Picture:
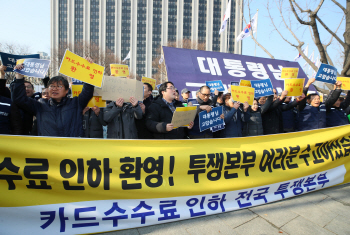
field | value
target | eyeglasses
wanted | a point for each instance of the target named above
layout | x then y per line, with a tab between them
206	95
171	88
45	93
55	87
28	87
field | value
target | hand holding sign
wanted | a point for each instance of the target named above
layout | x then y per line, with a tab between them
169	127
119	102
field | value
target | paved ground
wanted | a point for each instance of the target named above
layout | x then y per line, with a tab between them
322	212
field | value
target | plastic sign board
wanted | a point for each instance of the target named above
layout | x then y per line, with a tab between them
262	87
215	85
151	81
95	100
79	68
34	68
326	73
294	86
289	73
345	83
243	94
245	83
119	70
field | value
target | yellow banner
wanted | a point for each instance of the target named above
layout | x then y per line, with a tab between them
245	83
151	81
289	73
119	70
345	83
243	94
95	100
294	86
79	68
64	170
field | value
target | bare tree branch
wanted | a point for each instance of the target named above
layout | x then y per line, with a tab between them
296	14
330	31
340	6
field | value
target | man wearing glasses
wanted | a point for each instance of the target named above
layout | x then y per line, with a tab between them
59	116
204	104
160	114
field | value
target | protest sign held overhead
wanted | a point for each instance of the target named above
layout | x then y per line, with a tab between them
191	68
151	81
245	83
79	68
262	87
119	70
215	85
326	73
294	86
211	119
242	94
183	116
114	88
95	100
345	83
10	60
34	68
289	73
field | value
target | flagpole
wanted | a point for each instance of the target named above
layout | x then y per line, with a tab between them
256	38
228	40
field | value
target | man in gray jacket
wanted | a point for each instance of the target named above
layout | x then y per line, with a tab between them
120	117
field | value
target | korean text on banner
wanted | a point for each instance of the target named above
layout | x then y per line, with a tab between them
119	70
183	116
10	60
95	100
262	87
118	87
215	85
151	81
289	73
79	68
242	94
132	183
211	119
245	83
294	86
345	83
34	68
326	73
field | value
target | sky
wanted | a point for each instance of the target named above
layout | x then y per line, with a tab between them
27	23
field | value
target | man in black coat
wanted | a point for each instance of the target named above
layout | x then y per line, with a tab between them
160	114
142	131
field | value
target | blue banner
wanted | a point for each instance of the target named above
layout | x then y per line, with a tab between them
215	85
326	73
262	88
10	60
217	128
191	68
211	119
34	68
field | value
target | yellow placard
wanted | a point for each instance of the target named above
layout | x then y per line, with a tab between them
119	70
345	83
79	68
245	83
294	86
95	100
243	94
289	73
151	81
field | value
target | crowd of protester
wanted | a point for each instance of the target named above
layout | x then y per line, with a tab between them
54	113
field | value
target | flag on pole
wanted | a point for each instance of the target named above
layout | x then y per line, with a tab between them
311	57
127	57
226	17
304	51
317	62
161	59
252	26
